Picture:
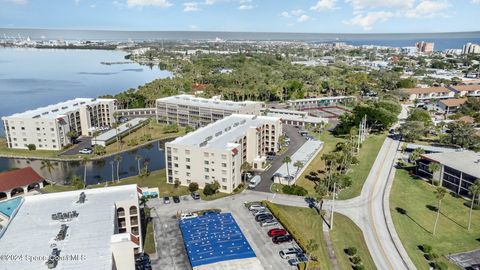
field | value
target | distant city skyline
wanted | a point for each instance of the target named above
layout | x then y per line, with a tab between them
308	16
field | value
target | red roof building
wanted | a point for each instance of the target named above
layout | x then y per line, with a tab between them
19	181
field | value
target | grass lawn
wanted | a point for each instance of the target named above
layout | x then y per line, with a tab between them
416	226
149	243
304	224
358	173
25	152
346	234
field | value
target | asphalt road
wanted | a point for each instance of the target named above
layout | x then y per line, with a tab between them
83	142
296	141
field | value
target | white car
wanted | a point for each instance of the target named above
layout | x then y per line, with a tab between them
256	207
86	151
188	216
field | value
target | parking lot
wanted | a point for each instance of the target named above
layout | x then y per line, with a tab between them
171	251
82	142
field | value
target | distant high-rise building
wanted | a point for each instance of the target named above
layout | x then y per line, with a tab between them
425	47
471	48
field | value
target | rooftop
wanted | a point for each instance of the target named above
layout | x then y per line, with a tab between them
322	98
465	161
468	88
189	100
453	102
223	132
303	154
32	231
305	118
19	178
214	238
112	133
426	90
55	110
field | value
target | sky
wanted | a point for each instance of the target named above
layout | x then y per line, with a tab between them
312	16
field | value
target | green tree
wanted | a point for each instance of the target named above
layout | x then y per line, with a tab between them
473	190
99	150
412	130
415	155
49	166
76	182
298	164
192	187
32	147
440	193
433	168
311	247
246	167
287	161
421	115
72	135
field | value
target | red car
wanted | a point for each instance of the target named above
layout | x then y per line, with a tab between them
276	231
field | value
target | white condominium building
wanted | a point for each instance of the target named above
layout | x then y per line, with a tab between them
198	112
217	151
83	229
47	127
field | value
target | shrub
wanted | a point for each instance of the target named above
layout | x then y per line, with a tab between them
431	256
441	266
475	205
210	189
426	248
177	183
294	190
358	267
32	147
192	187
356	260
351	251
239	187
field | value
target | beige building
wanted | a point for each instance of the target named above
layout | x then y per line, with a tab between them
47	127
471	48
425	47
198	112
217	151
429	93
471	90
100	231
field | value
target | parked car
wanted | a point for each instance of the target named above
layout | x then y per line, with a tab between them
253	207
298	260
271	154
166	200
255	181
268	223
263	217
290	253
270	158
282	239
195	195
260	212
176	199
188	216
276	231
87	151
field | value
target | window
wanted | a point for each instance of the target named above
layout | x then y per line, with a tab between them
205	154
188	174
175	172
188	167
175	165
187	152
224	165
206	162
224	172
224	179
224	187
175	150
206	170
187	159
224	156
207	177
175	158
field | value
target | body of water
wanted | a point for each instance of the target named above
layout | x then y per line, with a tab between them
31	78
442	40
97	171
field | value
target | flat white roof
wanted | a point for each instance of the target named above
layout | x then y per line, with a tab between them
55	110
321	98
303	154
189	100
32	232
300	118
464	161
110	134
221	133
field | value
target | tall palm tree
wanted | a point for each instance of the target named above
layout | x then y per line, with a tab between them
287	160
95	134
85	160
298	164
312	245
138	158
473	190
440	193
115	126
49	166
118	159
433	168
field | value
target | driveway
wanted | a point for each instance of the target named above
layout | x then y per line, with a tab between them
296	141
83	142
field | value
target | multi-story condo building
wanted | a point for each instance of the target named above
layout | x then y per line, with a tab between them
198	112
217	151
47	127
84	229
471	48
425	47
306	103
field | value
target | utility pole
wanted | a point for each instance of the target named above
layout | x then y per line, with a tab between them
333	205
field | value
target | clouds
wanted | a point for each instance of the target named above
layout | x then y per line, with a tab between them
17	2
149	3
368	20
428	9
323	5
190	6
297	14
366	4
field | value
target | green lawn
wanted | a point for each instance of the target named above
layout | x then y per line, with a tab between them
415	228
149	243
304	224
25	152
358	173
346	234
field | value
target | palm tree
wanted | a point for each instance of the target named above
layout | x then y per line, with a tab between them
129	126
95	134
85	160
138	158
287	160
118	159
246	167
49	166
440	193
115	126
473	190
72	134
298	164
433	168
312	245
111	163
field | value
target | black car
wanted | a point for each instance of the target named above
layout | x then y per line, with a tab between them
271	154
263	217
176	199
166	200
282	239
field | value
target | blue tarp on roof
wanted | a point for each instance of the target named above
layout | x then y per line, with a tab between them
214	238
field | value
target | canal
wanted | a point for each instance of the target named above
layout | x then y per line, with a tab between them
98	171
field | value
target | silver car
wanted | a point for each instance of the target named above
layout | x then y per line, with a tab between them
268	223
